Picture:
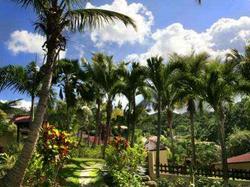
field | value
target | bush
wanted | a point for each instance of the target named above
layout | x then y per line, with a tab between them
239	142
181	181
206	152
123	162
53	150
6	163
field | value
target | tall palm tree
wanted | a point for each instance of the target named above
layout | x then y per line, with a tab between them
54	19
134	84
67	77
91	90
242	63
23	80
106	77
171	97
155	70
220	83
191	72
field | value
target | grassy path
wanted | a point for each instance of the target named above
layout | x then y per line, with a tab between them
82	172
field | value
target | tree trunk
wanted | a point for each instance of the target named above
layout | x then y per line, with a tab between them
98	122
15	176
133	123
107	135
158	138
67	117
32	107
223	146
191	115
170	125
129	118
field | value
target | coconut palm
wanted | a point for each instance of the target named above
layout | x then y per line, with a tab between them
134	84
191	70
22	79
155	70
54	19
220	84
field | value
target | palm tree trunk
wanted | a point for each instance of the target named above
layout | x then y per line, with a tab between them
129	119
108	129
158	138
170	125
133	123
67	117
15	176
191	115
98	121
223	146
32	107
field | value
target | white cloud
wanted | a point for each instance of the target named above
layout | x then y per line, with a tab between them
223	35
118	32
23	104
22	41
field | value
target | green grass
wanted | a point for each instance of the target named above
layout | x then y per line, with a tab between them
72	171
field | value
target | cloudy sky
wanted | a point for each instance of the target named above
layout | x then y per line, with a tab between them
163	27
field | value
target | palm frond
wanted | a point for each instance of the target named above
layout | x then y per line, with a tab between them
93	18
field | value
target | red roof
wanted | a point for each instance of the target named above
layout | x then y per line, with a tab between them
239	158
21	119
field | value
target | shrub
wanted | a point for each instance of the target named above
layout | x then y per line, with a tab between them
6	163
123	162
53	149
239	142
181	181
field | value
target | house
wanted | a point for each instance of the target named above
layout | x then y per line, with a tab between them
237	162
150	145
23	123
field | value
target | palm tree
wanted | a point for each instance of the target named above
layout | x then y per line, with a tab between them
67	77
242	63
134	84
155	70
191	72
171	95
91	90
220	84
106	77
55	17
23	80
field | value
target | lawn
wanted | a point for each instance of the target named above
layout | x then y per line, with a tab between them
82	172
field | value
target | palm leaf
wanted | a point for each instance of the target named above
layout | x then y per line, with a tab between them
93	18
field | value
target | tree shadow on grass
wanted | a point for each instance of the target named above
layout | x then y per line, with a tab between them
70	174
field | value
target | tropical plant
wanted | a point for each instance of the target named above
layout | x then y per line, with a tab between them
107	78
242	63
220	84
134	84
55	18
191	72
67	78
239	142
23	80
123	162
155	70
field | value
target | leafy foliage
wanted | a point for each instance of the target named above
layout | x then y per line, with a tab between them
123	161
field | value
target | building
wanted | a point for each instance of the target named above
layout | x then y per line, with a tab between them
237	162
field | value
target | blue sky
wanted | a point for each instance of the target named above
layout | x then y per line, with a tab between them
164	27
